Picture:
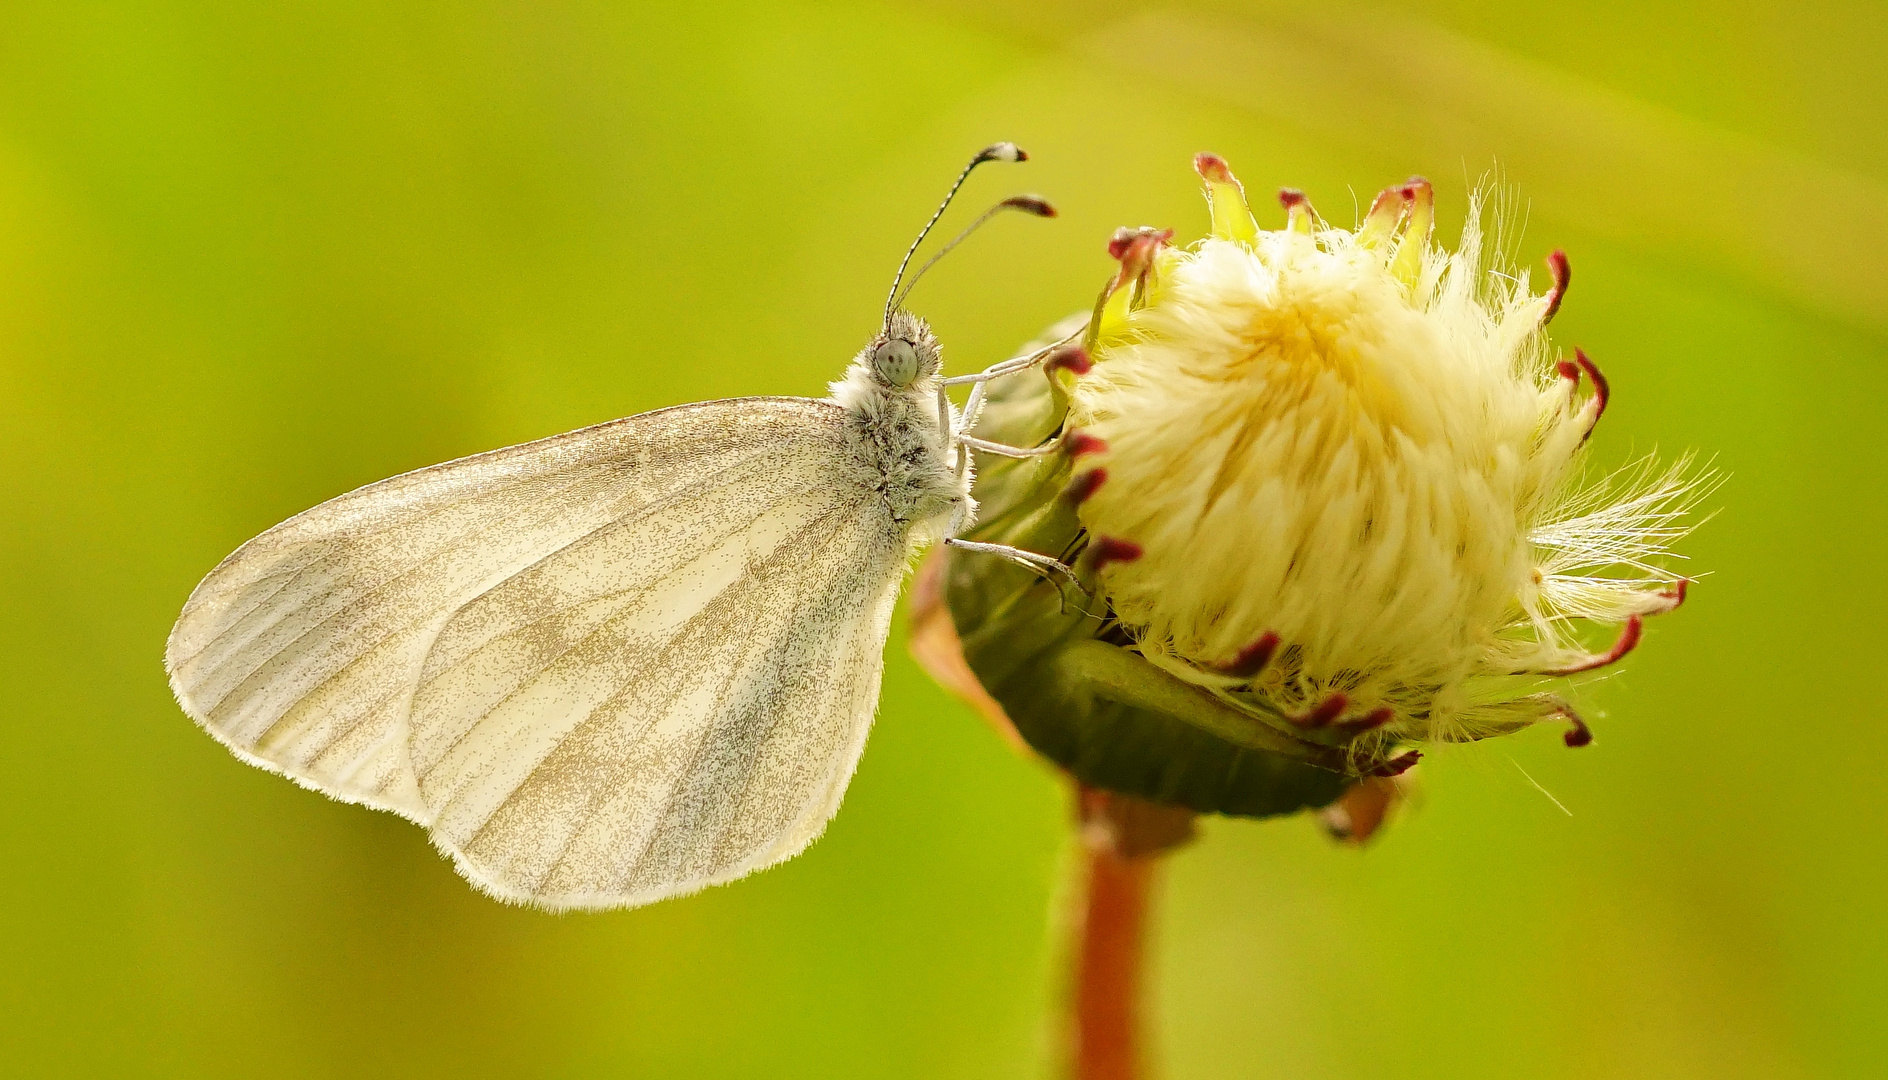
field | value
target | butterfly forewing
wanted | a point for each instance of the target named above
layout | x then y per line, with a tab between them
604	668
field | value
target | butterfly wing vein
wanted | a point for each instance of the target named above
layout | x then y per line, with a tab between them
603	669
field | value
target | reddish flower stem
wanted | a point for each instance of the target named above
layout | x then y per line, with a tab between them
1111	933
1122	840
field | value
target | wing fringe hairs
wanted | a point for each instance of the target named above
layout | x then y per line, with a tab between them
602	669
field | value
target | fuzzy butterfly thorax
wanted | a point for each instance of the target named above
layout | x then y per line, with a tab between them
896	434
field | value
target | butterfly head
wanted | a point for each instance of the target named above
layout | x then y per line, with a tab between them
903	353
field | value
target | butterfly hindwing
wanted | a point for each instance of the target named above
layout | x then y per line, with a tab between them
603	668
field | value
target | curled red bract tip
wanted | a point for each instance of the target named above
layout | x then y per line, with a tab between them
1579	734
1213	168
1676	594
1562	271
1627	641
1081	442
1086	484
1326	711
1109	549
1135	248
1118	243
1398	765
1370	721
1073	357
1602	390
1388	203
1253	658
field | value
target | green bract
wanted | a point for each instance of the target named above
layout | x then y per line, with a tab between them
1057	665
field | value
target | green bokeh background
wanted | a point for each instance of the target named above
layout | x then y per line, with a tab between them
255	255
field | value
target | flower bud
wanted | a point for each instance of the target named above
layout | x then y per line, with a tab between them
1349	462
1324	488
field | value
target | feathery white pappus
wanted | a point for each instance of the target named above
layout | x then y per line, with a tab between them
1344	466
612	666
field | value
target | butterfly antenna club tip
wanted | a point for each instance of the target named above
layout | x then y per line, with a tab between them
1030	204
1002	151
1034	205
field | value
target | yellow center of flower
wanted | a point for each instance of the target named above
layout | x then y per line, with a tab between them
1357	444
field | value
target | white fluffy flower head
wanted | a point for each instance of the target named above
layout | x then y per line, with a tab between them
1338	475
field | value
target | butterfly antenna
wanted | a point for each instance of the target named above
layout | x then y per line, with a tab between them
1003	151
1028	204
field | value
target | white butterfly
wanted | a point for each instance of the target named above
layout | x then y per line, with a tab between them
612	666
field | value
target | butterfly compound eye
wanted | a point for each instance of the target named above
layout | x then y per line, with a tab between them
896	362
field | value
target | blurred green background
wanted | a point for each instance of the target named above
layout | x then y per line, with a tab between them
254	255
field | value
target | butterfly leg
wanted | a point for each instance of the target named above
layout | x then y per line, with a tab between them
1015	364
973	407
1053	571
1002	450
1041	564
979	387
962	443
